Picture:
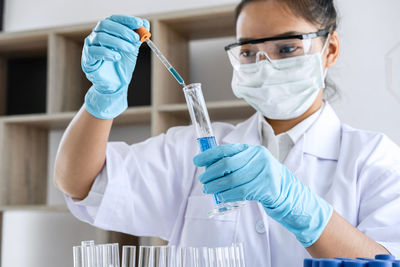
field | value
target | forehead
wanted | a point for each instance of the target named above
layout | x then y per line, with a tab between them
269	18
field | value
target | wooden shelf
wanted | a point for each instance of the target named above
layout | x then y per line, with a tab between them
201	23
133	115
32	42
75	32
46	208
170	115
219	110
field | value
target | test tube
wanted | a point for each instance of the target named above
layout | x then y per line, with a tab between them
128	256
199	116
146	256
240	253
87	253
205	136
77	254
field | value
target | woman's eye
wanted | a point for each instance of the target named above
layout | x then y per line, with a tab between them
247	53
287	49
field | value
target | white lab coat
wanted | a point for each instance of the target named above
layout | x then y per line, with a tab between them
152	190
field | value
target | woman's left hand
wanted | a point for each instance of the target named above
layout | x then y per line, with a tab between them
243	172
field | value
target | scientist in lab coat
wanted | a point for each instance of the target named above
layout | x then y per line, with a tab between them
314	186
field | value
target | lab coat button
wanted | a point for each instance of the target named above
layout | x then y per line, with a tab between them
260	227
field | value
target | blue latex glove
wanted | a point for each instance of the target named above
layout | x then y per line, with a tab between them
243	172
108	59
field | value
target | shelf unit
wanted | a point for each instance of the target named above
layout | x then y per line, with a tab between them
24	137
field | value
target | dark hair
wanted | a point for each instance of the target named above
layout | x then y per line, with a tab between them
321	13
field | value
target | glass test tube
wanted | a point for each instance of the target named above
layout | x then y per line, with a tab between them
199	116
205	136
128	256
77	254
87	253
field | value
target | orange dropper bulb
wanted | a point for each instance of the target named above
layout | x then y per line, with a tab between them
143	33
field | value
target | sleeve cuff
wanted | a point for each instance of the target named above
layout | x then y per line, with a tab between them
87	208
393	248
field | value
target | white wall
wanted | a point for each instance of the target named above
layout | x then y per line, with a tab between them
369	30
26	14
215	78
41	239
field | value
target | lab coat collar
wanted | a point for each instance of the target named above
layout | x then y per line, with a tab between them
245	132
322	139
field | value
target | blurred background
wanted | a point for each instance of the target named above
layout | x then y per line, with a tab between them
41	88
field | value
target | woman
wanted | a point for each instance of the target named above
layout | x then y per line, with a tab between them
308	177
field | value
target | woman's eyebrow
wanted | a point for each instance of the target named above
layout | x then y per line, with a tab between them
289	34
244	39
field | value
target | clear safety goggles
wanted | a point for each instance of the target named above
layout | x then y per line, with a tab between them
272	49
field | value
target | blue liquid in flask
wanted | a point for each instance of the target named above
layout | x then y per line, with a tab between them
206	143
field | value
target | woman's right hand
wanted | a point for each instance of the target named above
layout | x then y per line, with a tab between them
108	59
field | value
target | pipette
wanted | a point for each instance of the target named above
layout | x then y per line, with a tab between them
145	37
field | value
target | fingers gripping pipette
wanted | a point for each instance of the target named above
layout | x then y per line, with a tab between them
145	37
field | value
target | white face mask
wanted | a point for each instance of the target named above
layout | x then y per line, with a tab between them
283	91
